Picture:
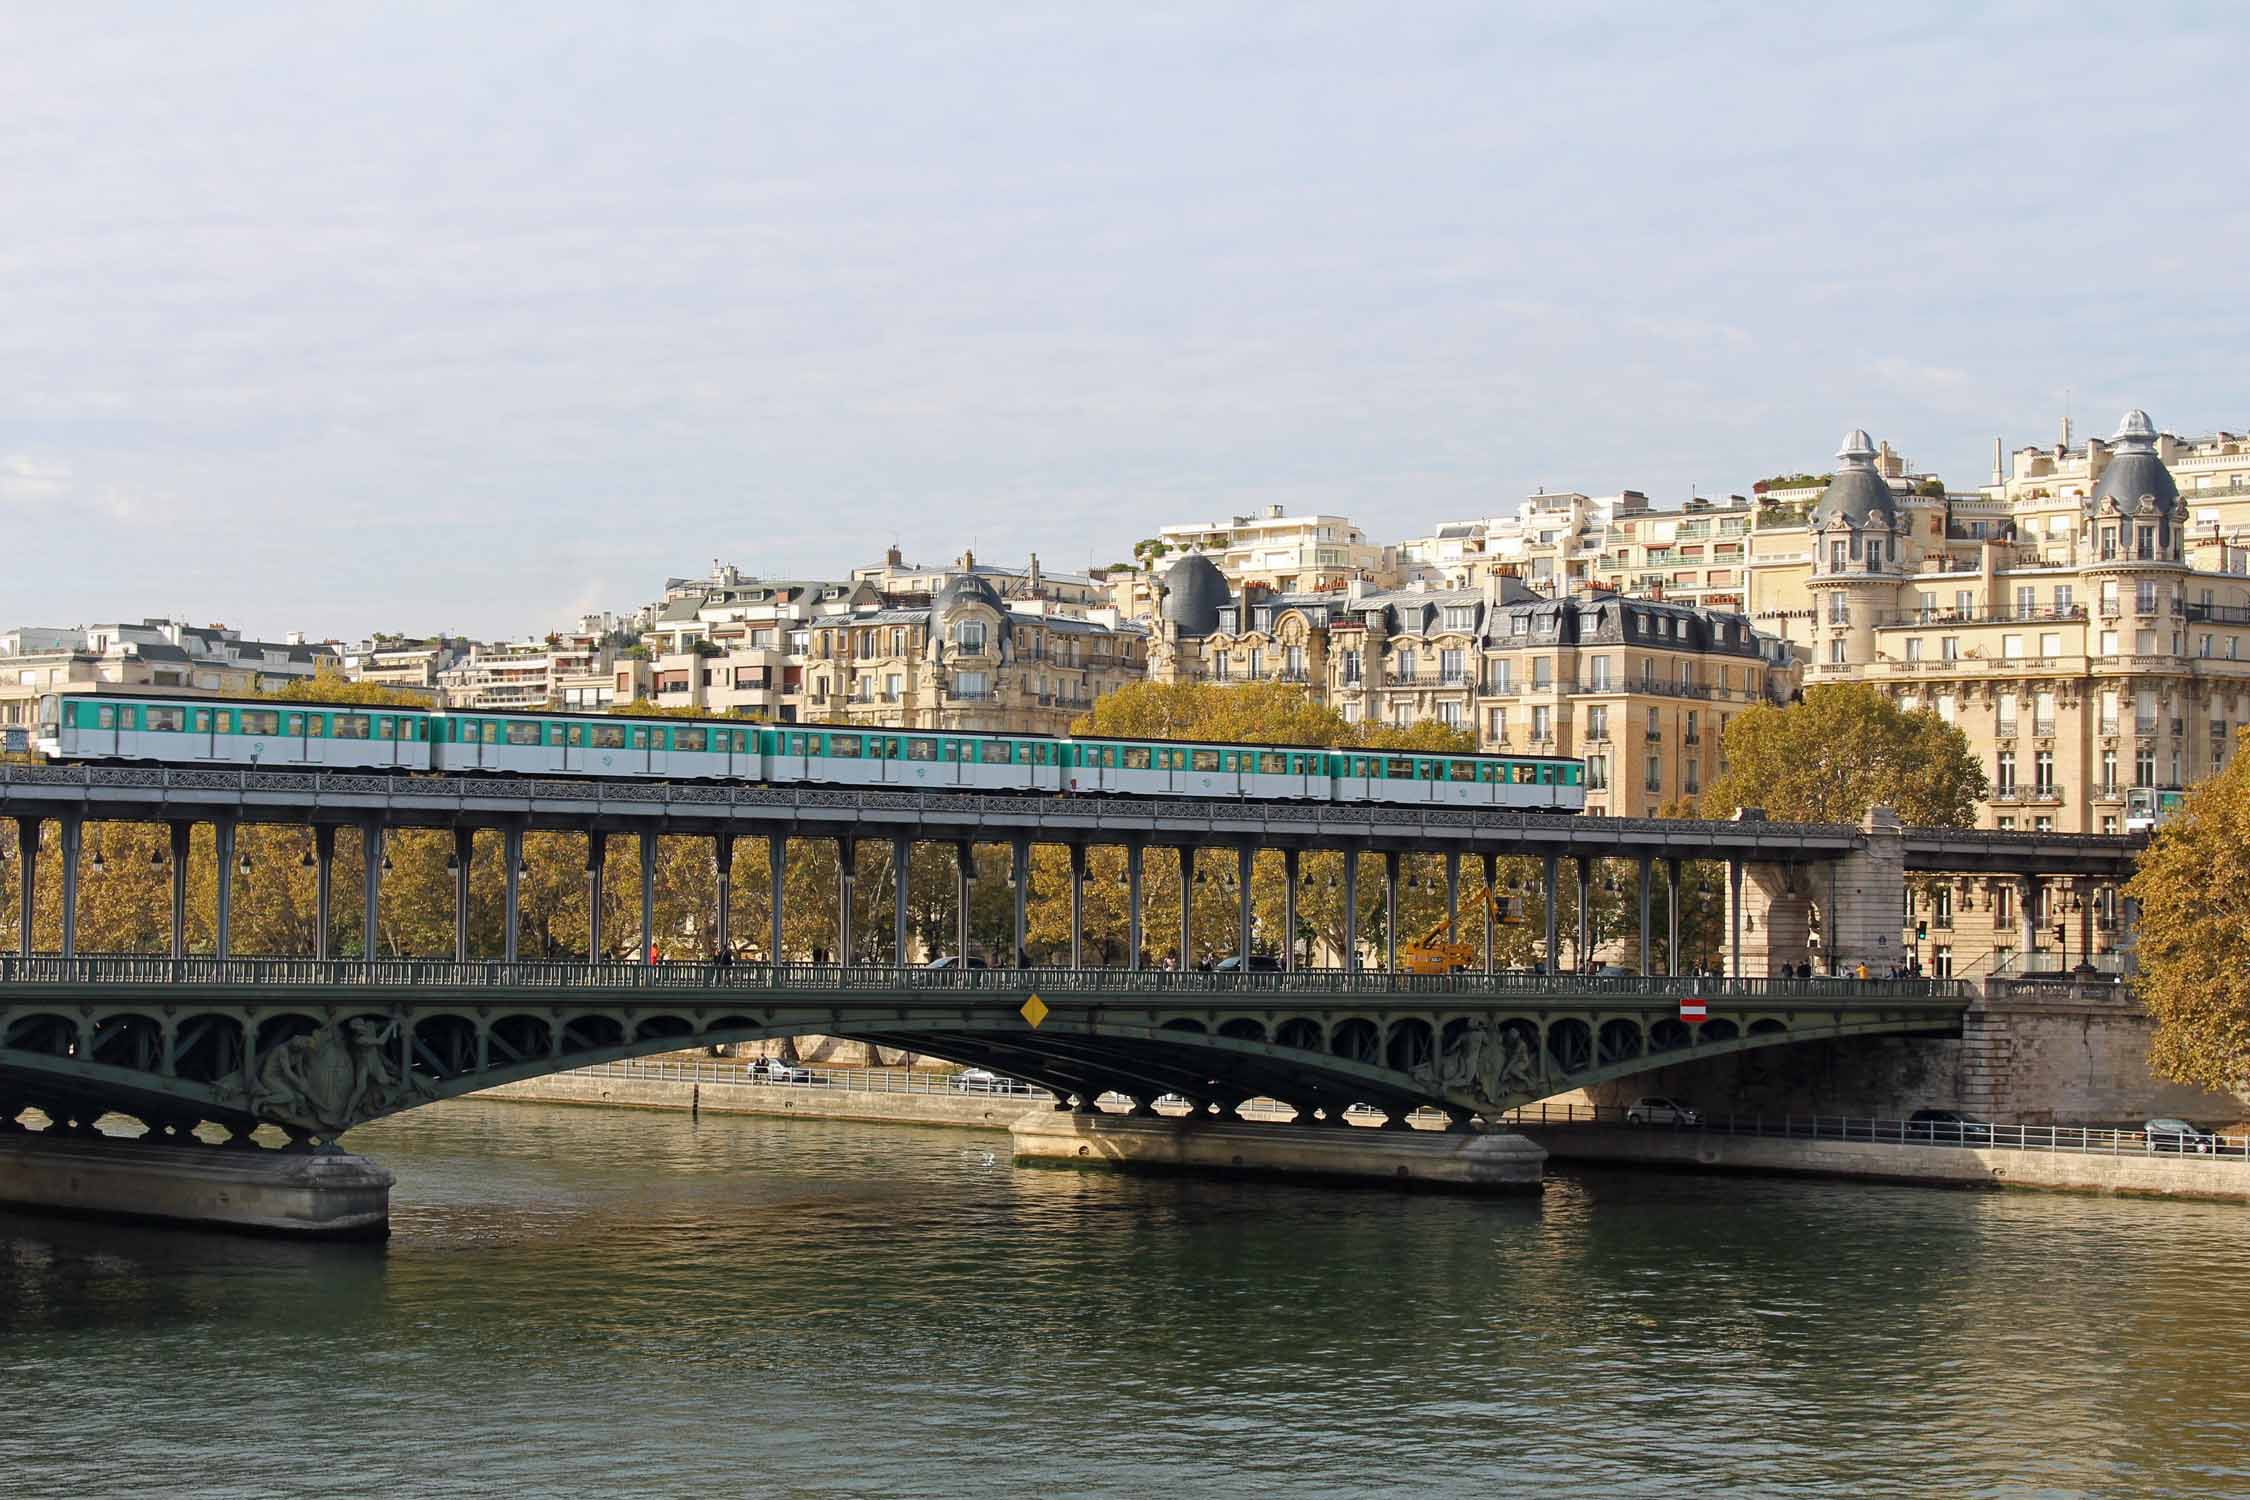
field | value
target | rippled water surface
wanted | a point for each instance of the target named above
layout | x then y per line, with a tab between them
586	1302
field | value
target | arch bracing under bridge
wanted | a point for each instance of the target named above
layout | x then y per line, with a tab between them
318	1046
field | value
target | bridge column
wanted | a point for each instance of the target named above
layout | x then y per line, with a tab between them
1187	907
511	853
1491	896
1020	858
464	850
777	869
597	856
1583	955
1291	861
964	880
1647	872
1390	910
224	837
1245	861
1134	954
27	855
722	870
1351	911
324	872
1453	894
2083	889
1672	918
1078	906
648	898
182	833
902	891
1734	919
73	843
371	886
847	878
1552	871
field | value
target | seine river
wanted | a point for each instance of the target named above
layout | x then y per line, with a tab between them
579	1302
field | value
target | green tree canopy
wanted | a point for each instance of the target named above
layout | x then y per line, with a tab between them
331	686
1844	749
2193	886
1255	713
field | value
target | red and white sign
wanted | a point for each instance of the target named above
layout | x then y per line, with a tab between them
1693	1009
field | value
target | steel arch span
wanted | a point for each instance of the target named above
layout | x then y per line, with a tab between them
317	1047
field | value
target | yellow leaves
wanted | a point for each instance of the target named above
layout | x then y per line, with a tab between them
2193	941
1844	749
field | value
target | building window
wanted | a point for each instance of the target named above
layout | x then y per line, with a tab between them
1914	649
2004	773
2006	714
1219	667
2144	766
2144	597
1691	778
1653	780
1597	723
1496	725
2109	772
1450	668
1655	727
1540	724
968	637
1949	648
1502	676
1257	663
1598	674
1597	772
1449	714
2043	713
1542	671
2043	772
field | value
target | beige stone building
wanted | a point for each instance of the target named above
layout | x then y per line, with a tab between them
1642	689
165	655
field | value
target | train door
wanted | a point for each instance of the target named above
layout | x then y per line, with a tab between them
98	733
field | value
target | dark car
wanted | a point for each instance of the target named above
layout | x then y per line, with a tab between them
1947	1127
2178	1135
1257	963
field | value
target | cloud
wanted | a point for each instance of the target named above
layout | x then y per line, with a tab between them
25	480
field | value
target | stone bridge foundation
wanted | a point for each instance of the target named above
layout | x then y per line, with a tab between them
322	1194
1459	1160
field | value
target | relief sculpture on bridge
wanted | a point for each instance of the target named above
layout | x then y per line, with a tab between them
322	1083
1488	1062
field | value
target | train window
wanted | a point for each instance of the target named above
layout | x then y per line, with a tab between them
386	729
1398	769
1461	770
1105	758
226	722
994	752
921	749
522	733
1136	758
153	717
296	723
575	735
799	744
1274	763
844	745
258	721
1203	760
690	739
1526	775
351	726
1172	760
105	717
640	739
202	721
607	736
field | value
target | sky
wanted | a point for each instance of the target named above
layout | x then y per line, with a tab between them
477	316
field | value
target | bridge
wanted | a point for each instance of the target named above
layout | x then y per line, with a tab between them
318	1046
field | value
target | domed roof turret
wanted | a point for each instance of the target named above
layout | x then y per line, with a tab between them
1856	494
966	588
2135	472
1194	593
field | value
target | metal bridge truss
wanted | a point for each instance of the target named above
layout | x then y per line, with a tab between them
318	1046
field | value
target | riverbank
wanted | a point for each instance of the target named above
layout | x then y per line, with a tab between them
2122	1175
621	1090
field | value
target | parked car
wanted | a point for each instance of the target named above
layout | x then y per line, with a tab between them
778	1071
981	1081
1947	1127
1257	963
953	961
2178	1135
1655	1109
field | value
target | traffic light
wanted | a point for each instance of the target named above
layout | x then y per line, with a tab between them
2058	933
1921	931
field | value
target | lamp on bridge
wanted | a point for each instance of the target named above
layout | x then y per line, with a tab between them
453	864
156	857
243	864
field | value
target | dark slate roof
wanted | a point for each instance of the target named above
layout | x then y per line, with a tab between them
1856	495
1195	592
966	589
2134	471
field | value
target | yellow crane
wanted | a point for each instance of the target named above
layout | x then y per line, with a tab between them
1435	951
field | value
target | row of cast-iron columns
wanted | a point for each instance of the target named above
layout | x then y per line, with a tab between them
324	853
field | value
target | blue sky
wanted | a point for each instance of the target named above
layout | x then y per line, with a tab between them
473	316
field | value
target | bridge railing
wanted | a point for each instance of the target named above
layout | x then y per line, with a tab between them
130	970
715	1073
1974	1134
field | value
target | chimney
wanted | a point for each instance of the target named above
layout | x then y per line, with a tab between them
1273	512
894	558
1999	474
1031	577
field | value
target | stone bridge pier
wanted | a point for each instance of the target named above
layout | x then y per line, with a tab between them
1835	915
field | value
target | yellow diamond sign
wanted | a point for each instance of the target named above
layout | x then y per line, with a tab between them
1034	1010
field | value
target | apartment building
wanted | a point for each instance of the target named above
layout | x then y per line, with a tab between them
167	655
1641	688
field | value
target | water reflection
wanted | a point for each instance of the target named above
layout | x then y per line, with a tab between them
579	1300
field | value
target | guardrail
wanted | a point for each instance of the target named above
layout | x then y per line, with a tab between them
2074	1139
712	1073
129	970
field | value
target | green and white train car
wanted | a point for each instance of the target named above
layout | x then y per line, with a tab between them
206	732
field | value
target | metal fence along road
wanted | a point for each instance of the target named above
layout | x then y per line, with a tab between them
1976	1135
712	1073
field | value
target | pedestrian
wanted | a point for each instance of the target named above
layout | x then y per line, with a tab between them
1860	972
724	958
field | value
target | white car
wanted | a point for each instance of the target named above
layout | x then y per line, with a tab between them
1655	1109
781	1072
980	1081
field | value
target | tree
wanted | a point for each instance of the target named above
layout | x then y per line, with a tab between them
1267	713
2193	886
331	686
1844	749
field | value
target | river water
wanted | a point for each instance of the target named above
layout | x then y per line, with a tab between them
581	1302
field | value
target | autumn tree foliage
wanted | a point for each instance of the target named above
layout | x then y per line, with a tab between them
1847	747
2193	941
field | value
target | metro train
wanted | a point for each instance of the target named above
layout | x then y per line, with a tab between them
109	728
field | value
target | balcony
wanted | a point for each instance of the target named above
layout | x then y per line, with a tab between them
1905	619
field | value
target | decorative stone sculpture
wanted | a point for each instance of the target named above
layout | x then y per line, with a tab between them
325	1084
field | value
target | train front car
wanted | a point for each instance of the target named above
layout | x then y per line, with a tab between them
205	732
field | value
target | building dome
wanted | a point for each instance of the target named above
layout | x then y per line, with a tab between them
2134	472
1194	593
1856	495
967	588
